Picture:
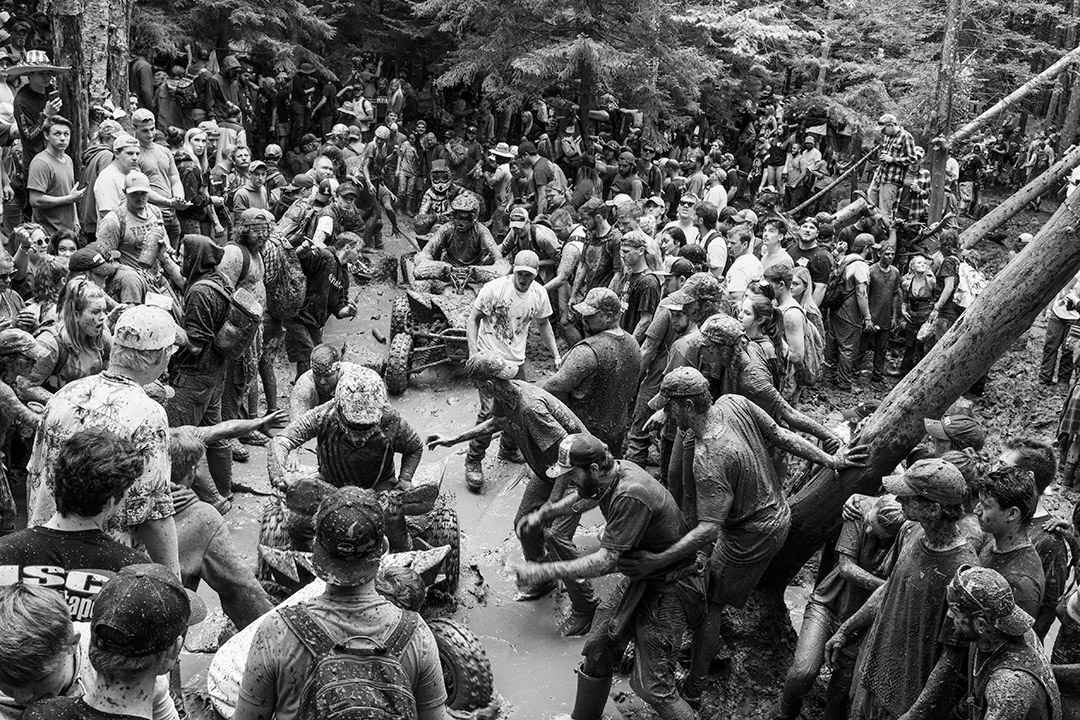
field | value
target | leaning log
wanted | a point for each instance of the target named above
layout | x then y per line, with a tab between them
843	176
1004	310
1020	199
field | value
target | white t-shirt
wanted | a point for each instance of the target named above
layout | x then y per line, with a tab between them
744	270
109	190
507	314
690	232
716	249
717	195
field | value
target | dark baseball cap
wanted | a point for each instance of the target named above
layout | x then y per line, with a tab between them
985	592
932	479
303	181
962	430
349	533
680	383
142	610
90	257
578	450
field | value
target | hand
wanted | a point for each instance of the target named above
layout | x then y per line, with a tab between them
528	524
639	563
528	574
8	193
853	508
869	326
292	462
854	456
53	107
906	315
179	204
557	361
1060	526
78	192
832	443
434	441
834	645
27	319
655	422
271	419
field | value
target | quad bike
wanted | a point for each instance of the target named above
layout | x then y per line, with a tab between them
427	323
409	579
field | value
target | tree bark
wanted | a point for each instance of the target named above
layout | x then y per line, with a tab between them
945	82
92	37
1072	113
826	50
1004	310
843	176
1019	200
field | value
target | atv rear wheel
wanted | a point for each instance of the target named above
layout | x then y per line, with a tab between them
400	316
398	364
442	529
465	665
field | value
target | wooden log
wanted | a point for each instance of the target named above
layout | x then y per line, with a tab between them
1019	200
1004	310
843	176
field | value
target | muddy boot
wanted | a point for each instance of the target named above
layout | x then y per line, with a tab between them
1068	475
592	696
678	710
577	623
782	711
205	490
474	476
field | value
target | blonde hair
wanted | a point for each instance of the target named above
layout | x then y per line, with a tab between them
76	297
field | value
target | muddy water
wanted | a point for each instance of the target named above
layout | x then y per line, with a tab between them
533	666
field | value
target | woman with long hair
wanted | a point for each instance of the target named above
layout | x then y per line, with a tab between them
63	243
917	291
32	248
78	343
198	218
48	284
802	289
764	326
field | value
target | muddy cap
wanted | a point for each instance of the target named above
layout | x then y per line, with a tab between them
254	216
145	327
20	342
519	217
599	299
685	269
864	240
135	182
361	396
142	118
488	366
527	261
142	610
303	181
680	383
962	430
722	329
984	592
932	479
578	450
90	257
349	531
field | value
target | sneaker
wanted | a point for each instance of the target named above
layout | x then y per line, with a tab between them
512	456
256	438
474	476
535	592
240	453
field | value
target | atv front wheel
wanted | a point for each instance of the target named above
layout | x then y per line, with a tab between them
465	665
398	364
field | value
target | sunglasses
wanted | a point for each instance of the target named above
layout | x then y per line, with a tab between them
6	276
686	203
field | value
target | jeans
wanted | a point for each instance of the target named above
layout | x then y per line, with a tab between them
914	348
1055	344
818	626
879	342
478	446
885	197
198	402
841	348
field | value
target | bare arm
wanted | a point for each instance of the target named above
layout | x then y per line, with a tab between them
946	293
159	539
939	685
472	329
795	336
602	562
850	571
488	427
862	298
238	428
547	335
642	327
791	441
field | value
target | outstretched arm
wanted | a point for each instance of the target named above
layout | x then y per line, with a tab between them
601	562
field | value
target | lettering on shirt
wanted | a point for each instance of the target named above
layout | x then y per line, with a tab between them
80	587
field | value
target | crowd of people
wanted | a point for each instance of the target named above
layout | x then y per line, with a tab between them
686	316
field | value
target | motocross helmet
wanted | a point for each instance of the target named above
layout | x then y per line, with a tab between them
440	176
465	208
361	396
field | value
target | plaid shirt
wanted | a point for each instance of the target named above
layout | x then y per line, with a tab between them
901	147
919	195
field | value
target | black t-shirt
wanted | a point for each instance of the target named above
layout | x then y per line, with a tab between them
817	260
641	293
69	708
78	563
640	513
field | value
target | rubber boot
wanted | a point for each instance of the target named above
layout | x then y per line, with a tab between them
219	459
592	696
1068	475
678	710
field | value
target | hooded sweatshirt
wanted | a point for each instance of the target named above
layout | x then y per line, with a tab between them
94	159
205	308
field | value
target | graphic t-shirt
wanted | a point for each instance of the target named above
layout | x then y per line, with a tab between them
129	233
77	563
507	314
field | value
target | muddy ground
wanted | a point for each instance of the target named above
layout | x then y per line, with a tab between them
533	667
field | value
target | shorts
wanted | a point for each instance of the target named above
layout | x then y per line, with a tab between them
731	583
300	340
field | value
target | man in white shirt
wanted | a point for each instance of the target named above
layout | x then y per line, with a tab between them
745	268
109	186
687	219
502	313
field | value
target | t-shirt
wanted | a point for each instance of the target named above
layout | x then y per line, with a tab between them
53	176
278	663
70	708
640	294
856	272
1054	552
859	542
911	623
781	256
950	268
691	233
159	165
882	293
77	563
640	513
744	270
109	191
817	260
538	422
734	483
1023	569
506	315
129	233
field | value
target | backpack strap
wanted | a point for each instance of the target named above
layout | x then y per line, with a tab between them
246	254
304	625
402	634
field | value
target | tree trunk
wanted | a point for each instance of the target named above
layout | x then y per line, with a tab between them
843	176
1072	113
92	37
1004	310
945	82
826	50
1019	200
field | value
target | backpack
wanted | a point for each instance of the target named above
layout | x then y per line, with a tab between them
835	294
969	284
812	369
287	288
185	92
53	382
242	321
296	225
347	683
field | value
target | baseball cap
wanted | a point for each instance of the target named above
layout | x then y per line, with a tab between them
109	127
361	396
683	268
142	610
382	132
963	430
578	450
254	216
527	261
339	129
721	329
136	181
699	286
324	190
627	157
488	366
210	127
303	181
123	140
863	240
355	133
620	199
886	119
143	327
986	592
680	383
599	299
519	217
90	257
19	342
256	165
655	200
349	532
745	216
727	213
932	479
347	188
526	148
272	151
142	118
